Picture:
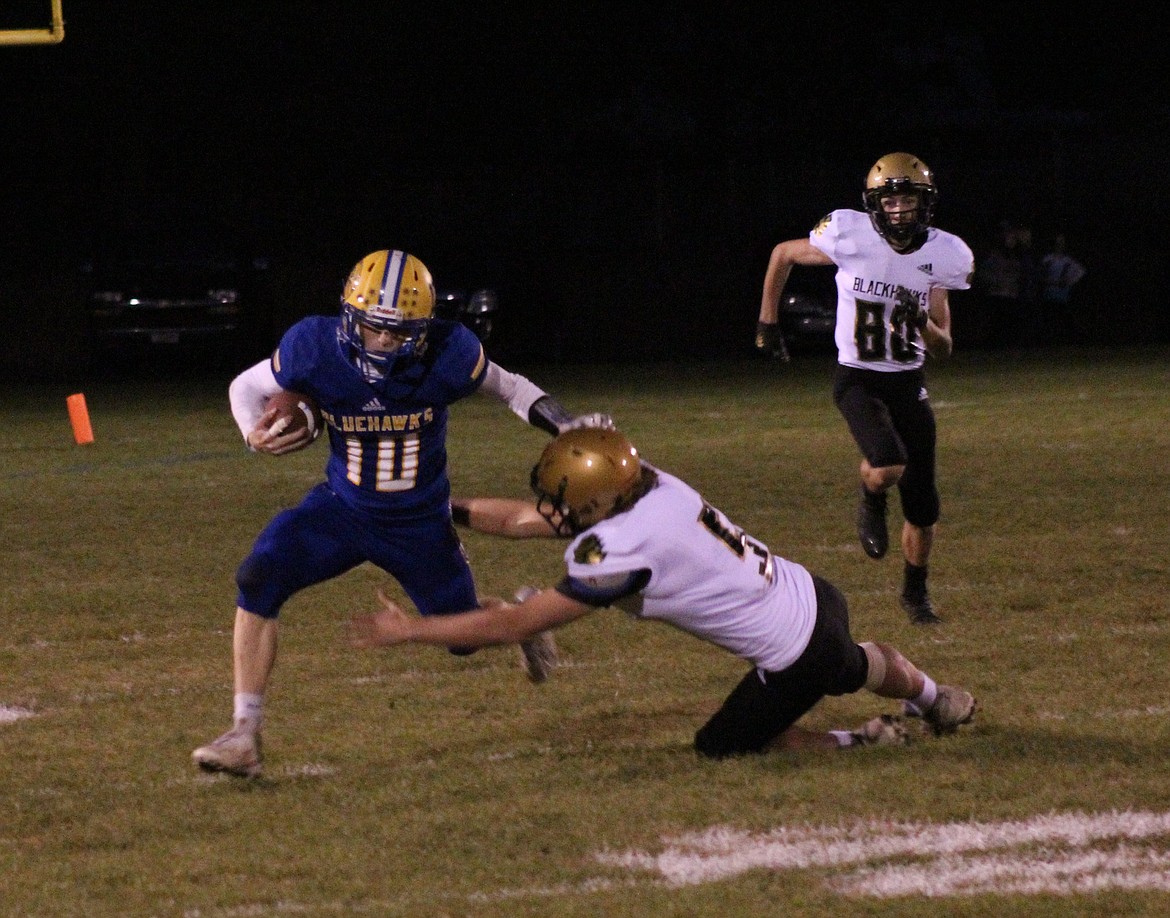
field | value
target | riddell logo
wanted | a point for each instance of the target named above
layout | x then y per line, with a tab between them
927	268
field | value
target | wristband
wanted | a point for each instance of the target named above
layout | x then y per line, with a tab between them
548	414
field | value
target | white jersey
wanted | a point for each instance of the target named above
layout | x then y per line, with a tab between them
706	576
872	278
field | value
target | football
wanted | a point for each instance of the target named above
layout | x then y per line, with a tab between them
298	416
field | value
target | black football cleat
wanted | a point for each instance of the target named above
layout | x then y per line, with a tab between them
920	610
871	524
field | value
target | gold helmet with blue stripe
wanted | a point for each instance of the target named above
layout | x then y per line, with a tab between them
387	291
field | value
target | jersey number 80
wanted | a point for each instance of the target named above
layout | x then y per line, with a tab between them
878	340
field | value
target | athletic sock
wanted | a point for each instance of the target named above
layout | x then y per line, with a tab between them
843	737
249	711
914	580
925	700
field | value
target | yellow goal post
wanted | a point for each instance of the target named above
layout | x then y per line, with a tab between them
50	36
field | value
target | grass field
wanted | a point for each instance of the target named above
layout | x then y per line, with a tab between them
410	782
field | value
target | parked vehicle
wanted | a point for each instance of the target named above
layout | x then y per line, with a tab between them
185	301
808	310
477	309
163	303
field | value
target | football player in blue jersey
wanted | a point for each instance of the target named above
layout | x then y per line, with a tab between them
383	375
894	273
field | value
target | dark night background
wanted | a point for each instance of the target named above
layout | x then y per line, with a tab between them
619	172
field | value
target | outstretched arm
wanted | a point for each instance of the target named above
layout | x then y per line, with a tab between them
502	516
503	623
533	404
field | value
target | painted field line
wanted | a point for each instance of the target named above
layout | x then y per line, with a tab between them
1152	710
951	858
87	468
1043	872
10	715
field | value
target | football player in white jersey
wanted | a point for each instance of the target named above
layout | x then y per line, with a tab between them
647	543
894	271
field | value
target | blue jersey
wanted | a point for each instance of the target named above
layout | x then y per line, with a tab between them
387	439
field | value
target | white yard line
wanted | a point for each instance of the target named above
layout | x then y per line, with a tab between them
11	715
1049	854
1056	853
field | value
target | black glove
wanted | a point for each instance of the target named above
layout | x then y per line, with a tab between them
907	311
769	341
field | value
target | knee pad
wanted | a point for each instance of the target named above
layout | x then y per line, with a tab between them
251	573
258	590
877	666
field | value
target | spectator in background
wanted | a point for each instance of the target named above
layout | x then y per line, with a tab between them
1029	265
1008	280
1059	273
1031	332
997	281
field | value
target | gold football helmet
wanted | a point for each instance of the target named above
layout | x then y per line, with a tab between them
585	475
388	290
900	173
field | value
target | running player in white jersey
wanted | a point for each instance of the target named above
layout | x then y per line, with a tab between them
649	544
894	271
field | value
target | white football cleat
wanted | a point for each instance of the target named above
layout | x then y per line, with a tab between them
952	708
886	730
237	752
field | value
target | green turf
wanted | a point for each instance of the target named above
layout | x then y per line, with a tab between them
410	782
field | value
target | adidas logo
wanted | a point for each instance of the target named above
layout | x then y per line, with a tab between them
373	405
927	268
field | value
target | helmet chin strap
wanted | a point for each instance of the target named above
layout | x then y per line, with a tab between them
370	369
909	243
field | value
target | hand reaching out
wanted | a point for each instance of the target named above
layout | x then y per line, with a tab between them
595	419
386	628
